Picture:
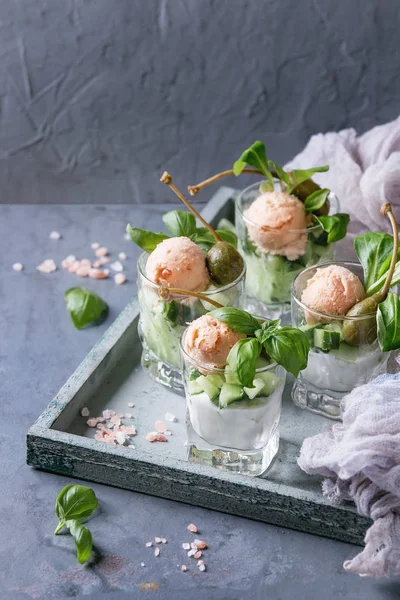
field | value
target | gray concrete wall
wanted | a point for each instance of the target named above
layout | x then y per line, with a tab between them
98	97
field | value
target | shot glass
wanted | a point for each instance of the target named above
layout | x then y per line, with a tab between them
229	426
334	367
162	323
270	276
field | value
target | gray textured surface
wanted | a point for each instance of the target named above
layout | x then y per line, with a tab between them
98	97
38	350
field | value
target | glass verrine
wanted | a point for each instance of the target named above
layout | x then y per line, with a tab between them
229	426
162	322
270	276
334	367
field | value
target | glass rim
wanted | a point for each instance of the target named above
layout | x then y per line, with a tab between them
319	313
223	288
219	370
311	228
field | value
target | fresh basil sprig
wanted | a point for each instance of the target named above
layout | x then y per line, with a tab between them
316	200
335	226
238	320
84	306
74	504
242	359
299	176
180	223
388	321
374	250
255	156
289	347
145	239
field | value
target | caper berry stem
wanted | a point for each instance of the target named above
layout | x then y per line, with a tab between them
165	293
167	179
386	209
195	189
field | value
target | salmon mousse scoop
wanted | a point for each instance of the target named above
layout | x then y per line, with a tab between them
178	262
332	290
208	341
278	224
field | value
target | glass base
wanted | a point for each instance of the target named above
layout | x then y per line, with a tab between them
162	372
322	402
245	462
269	311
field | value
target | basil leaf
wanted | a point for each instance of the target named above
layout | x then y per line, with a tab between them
378	284
298	176
180	223
84	306
388	321
82	538
266	186
238	320
205	236
75	502
242	360
226	225
255	156
289	347
145	239
335	226
267	329
316	200
373	249
282	175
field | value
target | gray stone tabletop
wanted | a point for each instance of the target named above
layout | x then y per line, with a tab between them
39	349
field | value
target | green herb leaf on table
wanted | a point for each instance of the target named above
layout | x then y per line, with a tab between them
316	200
267	329
255	156
298	176
75	502
335	226
180	223
374	250
84	306
82	538
242	360
289	347
388	321
145	239
238	320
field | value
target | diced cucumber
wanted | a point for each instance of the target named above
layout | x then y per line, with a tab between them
252	392
261	363
230	377
271	382
334	326
230	393
209	388
309	330
326	340
194	387
347	353
194	374
216	380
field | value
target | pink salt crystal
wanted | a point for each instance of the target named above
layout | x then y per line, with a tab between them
122	256
148	544
18	267
160	426
161	438
191	552
95	245
131	404
100	426
202	567
120	438
116	266
167	432
130	430
102	251
128	415
85	262
74	266
186	546
120	278
103	260
157	540
91	422
170	417
200	545
96	264
108	413
192	528
142	564
183	568
55	235
151	438
197	555
85	412
83	271
157	552
98	273
67	262
47	266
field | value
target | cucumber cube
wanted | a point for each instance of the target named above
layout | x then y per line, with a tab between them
209	388
216	380
326	340
271	382
230	393
309	330
252	392
194	387
231	378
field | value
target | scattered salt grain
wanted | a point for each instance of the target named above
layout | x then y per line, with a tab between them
191	553
47	266
108	413
186	546
104	260
85	262
95	245
192	528
83	271
157	552
160	426
200	545
167	432
200	562
161	438
67	262
74	266
122	256
128	416
18	267
96	264
197	555
85	412
117	266
102	251
55	235
202	567
183	568
170	417
148	544
131	446
91	422
193	546
163	541
131	404
157	540
142	564
127	236
119	278
151	438
99	273
120	438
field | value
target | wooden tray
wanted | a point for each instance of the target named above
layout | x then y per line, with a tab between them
111	377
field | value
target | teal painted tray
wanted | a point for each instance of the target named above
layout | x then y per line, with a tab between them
111	377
